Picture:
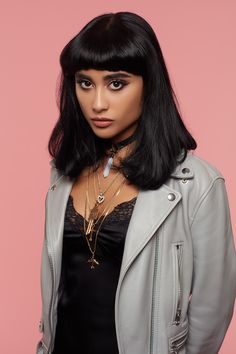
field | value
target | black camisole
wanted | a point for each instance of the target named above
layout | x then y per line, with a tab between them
85	312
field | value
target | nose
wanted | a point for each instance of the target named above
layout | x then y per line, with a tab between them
100	101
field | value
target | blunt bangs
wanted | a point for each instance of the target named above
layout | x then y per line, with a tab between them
105	45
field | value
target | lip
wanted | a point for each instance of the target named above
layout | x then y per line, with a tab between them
101	118
102	122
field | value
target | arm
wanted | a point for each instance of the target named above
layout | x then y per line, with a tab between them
45	266
214	279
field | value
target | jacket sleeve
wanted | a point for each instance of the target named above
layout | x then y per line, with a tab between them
43	324
214	276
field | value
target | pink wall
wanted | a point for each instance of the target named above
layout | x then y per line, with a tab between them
197	38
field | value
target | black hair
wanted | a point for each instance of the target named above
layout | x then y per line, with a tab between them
120	41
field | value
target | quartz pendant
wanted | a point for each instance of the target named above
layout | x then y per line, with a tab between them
107	168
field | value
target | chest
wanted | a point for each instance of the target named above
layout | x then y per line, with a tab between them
107	193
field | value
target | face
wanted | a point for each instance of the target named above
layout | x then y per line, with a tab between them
111	101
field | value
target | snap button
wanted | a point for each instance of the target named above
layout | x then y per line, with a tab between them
185	170
171	196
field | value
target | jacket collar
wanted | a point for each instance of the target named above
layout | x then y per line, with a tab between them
183	171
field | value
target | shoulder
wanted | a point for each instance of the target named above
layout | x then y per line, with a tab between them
195	178
197	168
55	174
52	162
201	166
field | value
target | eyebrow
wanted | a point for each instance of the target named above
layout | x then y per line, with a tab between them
106	77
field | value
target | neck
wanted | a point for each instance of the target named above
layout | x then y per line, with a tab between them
117	152
120	144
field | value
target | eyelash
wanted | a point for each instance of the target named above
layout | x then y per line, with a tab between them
123	83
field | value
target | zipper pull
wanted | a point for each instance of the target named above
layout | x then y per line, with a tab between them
53	187
177	316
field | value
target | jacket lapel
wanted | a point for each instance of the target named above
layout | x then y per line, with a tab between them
151	209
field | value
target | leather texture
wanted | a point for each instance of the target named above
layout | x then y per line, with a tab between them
177	287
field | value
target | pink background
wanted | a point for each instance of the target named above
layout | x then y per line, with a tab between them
197	39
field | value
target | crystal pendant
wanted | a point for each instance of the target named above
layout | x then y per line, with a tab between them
107	168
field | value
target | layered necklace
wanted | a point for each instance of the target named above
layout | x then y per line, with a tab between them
98	212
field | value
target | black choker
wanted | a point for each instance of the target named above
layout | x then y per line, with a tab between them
123	143
115	147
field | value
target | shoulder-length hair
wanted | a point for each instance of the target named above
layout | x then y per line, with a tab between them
120	41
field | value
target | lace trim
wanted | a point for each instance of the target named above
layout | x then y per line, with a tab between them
121	212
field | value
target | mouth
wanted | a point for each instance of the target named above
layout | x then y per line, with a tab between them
102	122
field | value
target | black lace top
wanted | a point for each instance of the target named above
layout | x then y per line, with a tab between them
86	318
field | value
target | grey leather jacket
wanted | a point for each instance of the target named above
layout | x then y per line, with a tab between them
177	282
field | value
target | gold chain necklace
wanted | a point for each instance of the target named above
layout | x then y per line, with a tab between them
99	200
101	195
93	219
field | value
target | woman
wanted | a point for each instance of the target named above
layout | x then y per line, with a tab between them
138	255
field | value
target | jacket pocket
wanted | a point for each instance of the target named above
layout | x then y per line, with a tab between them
177	255
177	342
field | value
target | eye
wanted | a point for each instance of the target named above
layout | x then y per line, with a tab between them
84	84
118	84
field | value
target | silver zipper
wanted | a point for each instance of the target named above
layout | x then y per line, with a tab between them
178	248
54	185
154	296
177	344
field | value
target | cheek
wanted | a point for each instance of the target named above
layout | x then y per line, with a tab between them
131	105
83	102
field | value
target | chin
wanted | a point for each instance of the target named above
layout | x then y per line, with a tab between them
104	133
109	133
